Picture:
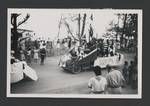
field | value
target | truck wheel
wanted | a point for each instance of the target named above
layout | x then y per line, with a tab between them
76	70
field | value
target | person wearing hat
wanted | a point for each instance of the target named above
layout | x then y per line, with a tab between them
98	83
115	81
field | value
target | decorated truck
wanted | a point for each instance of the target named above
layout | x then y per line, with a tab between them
77	64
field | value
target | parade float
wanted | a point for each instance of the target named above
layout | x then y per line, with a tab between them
20	70
90	57
77	64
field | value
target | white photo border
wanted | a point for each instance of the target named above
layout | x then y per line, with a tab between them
119	96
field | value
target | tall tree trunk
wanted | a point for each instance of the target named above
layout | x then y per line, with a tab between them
118	28
124	29
79	36
136	34
83	26
59	26
15	35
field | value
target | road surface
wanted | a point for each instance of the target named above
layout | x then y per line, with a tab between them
53	80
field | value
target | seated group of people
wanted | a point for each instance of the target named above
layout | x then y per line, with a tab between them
77	52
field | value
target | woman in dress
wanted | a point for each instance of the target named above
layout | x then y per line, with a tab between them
22	55
36	55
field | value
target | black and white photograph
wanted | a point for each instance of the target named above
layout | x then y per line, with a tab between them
74	53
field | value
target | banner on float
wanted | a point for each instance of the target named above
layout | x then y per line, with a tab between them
112	61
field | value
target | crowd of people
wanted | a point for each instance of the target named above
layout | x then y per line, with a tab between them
130	73
34	51
128	44
115	79
106	48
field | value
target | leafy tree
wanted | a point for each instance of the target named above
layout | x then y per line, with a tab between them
129	28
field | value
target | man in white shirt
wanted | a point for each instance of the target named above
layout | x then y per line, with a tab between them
98	83
115	81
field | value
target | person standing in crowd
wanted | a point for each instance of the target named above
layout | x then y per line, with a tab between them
134	76
36	44
106	47
102	48
125	72
29	56
36	55
98	83
41	44
48	48
114	47
115	81
69	43
110	51
58	47
131	72
32	53
22	55
42	55
66	43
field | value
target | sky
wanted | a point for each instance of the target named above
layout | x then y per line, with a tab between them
44	22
